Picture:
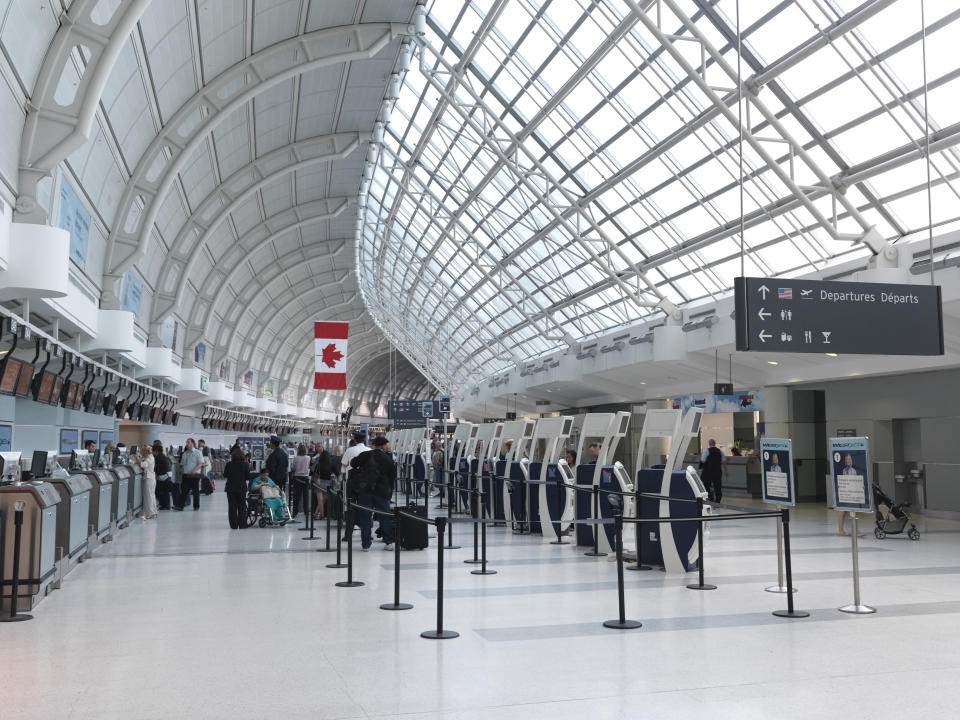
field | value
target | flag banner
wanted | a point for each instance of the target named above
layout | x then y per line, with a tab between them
330	355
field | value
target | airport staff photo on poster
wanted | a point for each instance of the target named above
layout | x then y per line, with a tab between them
776	456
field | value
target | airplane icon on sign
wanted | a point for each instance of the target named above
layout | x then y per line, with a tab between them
806	294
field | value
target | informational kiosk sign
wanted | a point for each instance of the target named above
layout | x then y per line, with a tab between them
851	478
776	457
816	316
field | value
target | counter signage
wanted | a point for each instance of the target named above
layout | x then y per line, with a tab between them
776	456
851	480
6	438
69	438
817	316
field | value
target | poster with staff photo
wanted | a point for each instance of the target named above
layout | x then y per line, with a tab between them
776	455
851	478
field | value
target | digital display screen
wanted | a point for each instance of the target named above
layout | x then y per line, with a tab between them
109	402
78	398
8	384
26	378
88	436
71	395
46	386
54	397
121	408
68	440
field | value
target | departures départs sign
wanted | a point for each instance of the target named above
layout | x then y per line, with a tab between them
850	318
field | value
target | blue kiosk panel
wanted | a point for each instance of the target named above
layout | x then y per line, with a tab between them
499	468
517	487
533	498
684	534
610	504
553	474
584	502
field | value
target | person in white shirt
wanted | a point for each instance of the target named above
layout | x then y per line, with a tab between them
359	446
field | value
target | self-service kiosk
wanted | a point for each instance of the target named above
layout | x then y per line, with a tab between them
420	457
73	514
123	491
467	469
549	435
674	545
101	492
38	500
604	430
487	439
455	453
515	444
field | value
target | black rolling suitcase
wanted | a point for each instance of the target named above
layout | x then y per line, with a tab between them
413	533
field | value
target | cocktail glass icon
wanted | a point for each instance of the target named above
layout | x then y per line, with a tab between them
826	336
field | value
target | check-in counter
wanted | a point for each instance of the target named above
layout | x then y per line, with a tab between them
38	540
136	494
123	495
73	516
101	501
735	473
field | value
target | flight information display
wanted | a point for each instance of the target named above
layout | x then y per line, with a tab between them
413	413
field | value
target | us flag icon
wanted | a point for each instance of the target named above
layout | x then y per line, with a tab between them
785	293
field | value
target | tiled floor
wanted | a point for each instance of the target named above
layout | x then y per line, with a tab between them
184	618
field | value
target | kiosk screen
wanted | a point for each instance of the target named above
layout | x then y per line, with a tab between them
8	384
26	379
38	466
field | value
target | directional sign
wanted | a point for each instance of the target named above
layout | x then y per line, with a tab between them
850	318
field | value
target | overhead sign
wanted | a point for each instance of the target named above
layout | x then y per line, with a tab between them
444	402
850	318
777	478
851	477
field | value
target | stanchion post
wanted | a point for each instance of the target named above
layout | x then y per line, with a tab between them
349	582
789	612
701	585
338	563
474	507
621	623
779	587
327	548
14	616
598	527
439	633
450	545
638	533
857	608
483	542
396	604
559	540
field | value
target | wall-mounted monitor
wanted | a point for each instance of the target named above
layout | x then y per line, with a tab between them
11	371
122	407
105	439
69	395
6	438
26	379
88	436
44	387
78	398
109	403
69	440
56	390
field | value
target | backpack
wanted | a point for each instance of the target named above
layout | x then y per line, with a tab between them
364	474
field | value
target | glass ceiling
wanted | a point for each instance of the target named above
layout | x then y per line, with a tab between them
577	175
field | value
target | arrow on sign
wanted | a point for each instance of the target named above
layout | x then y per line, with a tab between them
763	290
764	314
764	336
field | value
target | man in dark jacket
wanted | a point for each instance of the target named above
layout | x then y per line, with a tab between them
711	465
277	463
164	472
377	470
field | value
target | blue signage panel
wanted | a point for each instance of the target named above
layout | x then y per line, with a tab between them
88	435
851	478
69	438
105	439
776	458
73	217
6	438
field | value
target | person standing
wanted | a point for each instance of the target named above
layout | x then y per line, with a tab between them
192	462
323	479
377	471
164	472
300	469
147	463
357	446
711	464
236	473
277	463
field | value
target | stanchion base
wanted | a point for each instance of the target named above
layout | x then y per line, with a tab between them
791	613
442	635
396	606
309	538
778	589
625	625
305	528
483	572
698	586
559	542
857	609
639	567
473	561
595	554
327	550
335	565
352	583
19	617
451	547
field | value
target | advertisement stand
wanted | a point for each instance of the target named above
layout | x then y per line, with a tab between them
851	491
778	489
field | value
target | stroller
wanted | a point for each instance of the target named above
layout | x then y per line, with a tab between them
266	504
894	519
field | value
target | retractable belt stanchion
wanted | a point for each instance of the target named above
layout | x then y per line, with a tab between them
474	507
14	616
396	604
308	521
328	504
439	633
621	623
338	563
700	585
483	542
597	528
450	545
349	582
779	587
857	608
638	533
560	540
789	612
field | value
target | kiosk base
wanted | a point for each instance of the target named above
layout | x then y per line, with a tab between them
19	617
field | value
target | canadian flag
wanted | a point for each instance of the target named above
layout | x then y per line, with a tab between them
330	349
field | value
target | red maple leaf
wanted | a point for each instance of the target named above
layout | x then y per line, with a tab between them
330	356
